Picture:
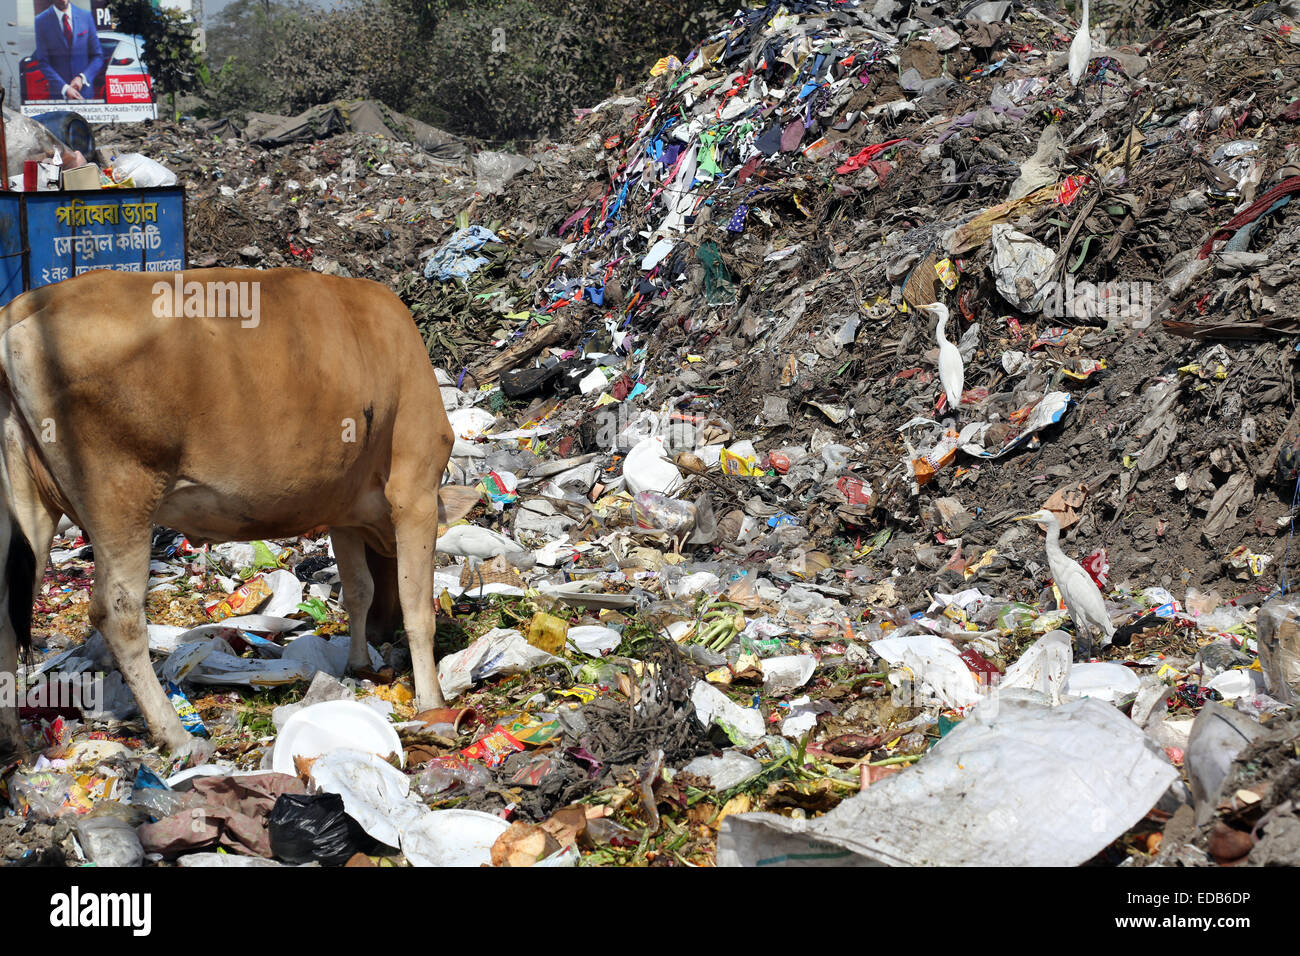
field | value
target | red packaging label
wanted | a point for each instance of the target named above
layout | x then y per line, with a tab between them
855	490
494	748
985	671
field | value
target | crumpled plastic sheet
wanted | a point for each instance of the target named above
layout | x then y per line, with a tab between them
1048	411
1018	783
225	811
935	665
499	651
494	170
455	260
1021	266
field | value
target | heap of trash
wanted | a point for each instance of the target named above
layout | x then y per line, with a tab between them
753	367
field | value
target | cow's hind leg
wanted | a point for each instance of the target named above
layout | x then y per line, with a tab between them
385	617
417	529
27	525
117	609
358	591
15	624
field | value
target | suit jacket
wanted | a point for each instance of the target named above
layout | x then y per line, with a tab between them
59	62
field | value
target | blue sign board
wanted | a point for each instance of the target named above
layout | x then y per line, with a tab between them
47	237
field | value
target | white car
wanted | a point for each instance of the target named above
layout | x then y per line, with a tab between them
122	58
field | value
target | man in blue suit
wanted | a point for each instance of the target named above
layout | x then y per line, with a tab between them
68	51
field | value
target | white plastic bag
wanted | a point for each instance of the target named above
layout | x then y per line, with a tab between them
1104	680
712	706
499	651
142	170
1043	668
783	674
647	469
936	667
1015	784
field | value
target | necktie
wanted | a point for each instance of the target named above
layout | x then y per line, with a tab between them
67	28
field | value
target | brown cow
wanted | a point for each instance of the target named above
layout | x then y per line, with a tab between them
231	405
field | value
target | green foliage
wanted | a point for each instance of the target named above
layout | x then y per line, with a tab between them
168	38
495	69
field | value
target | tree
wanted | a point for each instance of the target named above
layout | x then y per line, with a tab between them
168	47
497	69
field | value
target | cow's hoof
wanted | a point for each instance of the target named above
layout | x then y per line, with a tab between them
193	750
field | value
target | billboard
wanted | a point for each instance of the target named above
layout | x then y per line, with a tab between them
73	59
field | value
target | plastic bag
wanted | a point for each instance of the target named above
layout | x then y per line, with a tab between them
1278	639
494	170
141	170
43	795
109	841
731	769
647	469
159	803
499	651
1015	784
443	775
663	513
305	828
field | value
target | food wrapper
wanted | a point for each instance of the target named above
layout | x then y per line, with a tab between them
584	693
733	464
947	273
531	731
243	600
1069	187
494	748
189	716
44	795
855	490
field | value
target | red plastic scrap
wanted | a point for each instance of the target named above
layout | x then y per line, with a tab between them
1097	566
864	156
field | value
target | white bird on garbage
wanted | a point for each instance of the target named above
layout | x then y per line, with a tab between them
1082	596
1080	50
952	371
475	543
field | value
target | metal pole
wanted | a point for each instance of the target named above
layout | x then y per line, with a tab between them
4	146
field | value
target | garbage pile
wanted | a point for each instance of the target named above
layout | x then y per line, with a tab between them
751	372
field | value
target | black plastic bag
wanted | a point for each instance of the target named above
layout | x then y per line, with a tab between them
306	829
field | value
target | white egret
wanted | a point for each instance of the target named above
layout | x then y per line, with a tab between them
1080	51
952	372
477	544
1082	596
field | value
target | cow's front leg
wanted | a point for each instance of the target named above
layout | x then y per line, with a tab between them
117	609
417	530
358	592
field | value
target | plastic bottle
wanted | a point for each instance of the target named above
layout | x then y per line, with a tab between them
654	510
443	776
